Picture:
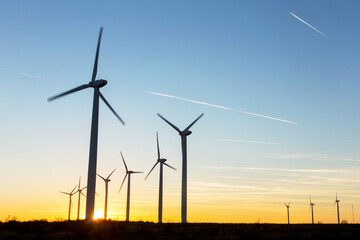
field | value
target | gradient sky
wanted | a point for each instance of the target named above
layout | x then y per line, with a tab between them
248	56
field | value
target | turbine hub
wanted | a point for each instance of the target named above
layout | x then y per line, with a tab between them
98	83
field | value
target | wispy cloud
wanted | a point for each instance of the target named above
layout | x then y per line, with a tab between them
350	160
31	75
310	26
218	106
241	141
294	170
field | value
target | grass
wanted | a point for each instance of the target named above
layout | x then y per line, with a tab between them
146	230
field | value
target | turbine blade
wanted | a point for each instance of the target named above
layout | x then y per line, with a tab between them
79	183
70	91
123	161
96	57
137	172
310	199
73	189
169	123
169	166
83	188
194	122
64	192
285	204
101	177
123	182
107	103
151	170
83	195
111	173
157	141
97	194
289	203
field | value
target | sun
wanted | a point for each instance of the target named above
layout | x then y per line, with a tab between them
98	214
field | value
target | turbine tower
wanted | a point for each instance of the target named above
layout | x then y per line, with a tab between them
162	162
106	180
70	203
288	215
312	210
128	174
96	85
337	203
183	135
80	193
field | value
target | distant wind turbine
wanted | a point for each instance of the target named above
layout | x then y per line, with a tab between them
312	210
288	214
70	203
162	162
106	180
80	193
183	135
96	85
337	204
128	174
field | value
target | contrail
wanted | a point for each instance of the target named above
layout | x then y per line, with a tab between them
218	106
310	25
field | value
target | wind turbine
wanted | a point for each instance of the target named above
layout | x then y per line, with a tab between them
337	203
183	135
312	210
128	174
162	162
70	203
96	85
80	193
107	180
288	215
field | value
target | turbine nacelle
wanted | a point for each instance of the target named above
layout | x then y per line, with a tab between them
98	83
161	160
185	133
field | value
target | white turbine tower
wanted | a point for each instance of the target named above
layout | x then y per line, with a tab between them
70	203
128	174
312	210
288	214
80	193
96	85
106	180
183	135
162	162
337	204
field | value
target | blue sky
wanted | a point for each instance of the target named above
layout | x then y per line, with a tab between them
252	56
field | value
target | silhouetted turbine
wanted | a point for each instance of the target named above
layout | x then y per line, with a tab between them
162	162
312	210
106	180
183	135
288	214
338	212
80	193
70	203
128	174
96	84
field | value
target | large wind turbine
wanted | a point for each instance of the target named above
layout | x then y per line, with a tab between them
70	195
128	174
96	85
107	180
183	135
288	215
80	193
312	210
337	203
162	162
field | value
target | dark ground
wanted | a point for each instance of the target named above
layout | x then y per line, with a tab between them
143	230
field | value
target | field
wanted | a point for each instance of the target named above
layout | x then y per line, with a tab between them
145	230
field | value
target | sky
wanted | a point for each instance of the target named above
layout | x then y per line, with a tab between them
277	81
